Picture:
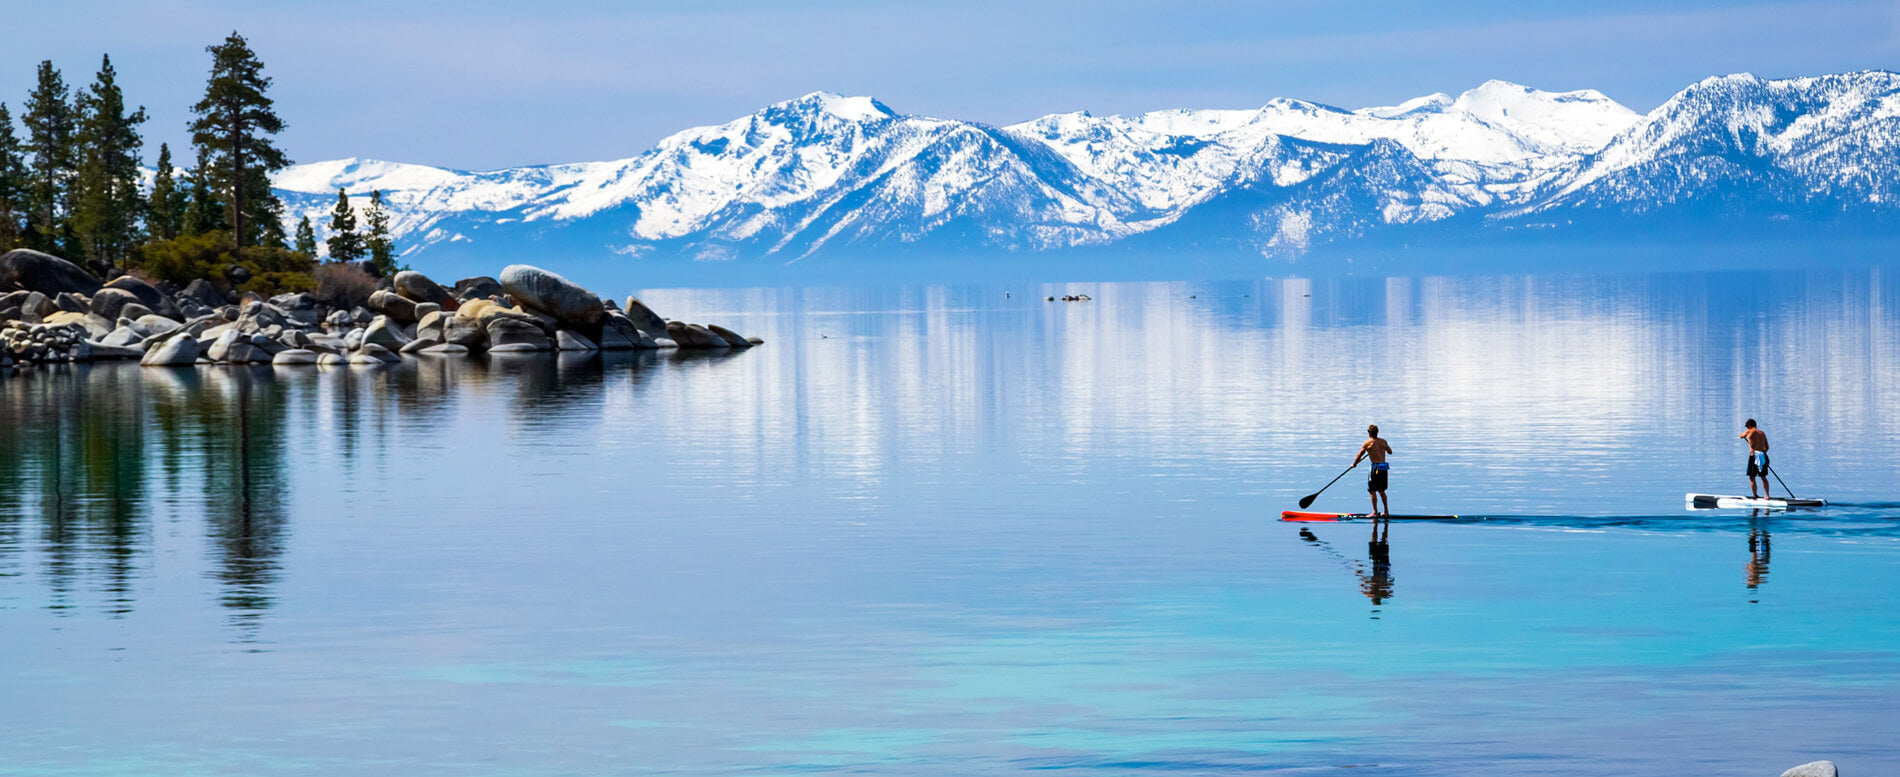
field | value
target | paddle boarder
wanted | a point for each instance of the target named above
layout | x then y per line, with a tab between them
1757	457
1375	448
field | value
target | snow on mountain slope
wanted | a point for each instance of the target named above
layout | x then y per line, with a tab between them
1489	140
1798	142
832	174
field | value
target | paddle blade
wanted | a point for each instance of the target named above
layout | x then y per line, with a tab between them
1307	501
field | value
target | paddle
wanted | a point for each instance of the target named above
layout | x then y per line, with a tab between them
1784	484
1307	501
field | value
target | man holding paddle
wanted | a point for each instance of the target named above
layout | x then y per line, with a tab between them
1377	448
1757	457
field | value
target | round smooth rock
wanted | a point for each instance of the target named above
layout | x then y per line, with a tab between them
550	293
179	351
1813	769
28	269
417	287
294	357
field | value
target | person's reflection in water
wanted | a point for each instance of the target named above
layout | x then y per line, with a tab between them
1377	585
1757	555
1375	580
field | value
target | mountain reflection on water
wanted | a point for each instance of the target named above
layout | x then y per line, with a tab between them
948	531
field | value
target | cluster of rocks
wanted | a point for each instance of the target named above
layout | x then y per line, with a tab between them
1070	298
53	311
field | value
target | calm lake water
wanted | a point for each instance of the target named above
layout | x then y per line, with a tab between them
942	531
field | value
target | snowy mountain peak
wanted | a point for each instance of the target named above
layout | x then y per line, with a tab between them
837	106
358	175
1435	102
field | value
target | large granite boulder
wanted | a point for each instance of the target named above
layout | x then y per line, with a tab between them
179	351
644	318
548	292
385	333
417	287
372	351
123	337
205	293
71	303
294	357
96	326
148	295
466	332
1813	769
25	268
220	348
393	305
155	325
478	287
510	334
107	302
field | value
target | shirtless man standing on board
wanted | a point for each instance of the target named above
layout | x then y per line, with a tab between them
1377	449
1757	457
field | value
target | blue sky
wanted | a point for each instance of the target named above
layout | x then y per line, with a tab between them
480	85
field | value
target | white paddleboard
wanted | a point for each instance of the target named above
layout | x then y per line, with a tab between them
1719	500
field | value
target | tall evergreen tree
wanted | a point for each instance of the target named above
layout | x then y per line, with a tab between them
382	250
165	208
306	238
49	138
205	212
235	122
106	200
13	183
346	244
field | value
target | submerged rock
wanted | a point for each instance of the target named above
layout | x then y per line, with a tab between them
732	338
566	340
1813	769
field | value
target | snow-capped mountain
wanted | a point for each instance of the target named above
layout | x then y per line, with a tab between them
832	176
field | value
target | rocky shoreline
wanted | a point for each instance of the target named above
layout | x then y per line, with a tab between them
52	311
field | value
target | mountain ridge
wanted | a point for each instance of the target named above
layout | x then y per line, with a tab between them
827	176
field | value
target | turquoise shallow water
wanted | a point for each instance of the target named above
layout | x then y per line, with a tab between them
945	531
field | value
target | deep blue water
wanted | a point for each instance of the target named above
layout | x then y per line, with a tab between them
941	531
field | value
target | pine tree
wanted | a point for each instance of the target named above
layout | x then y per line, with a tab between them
205	213
267	214
106	200
49	138
235	122
346	244
381	248
12	184
306	238
165	208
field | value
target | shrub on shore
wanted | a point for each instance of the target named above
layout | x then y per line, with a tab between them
343	285
267	270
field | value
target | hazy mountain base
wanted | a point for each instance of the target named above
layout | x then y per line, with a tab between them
1455	247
